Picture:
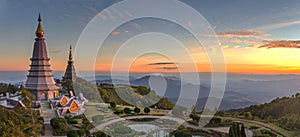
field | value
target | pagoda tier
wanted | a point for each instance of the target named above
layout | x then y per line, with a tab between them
40	80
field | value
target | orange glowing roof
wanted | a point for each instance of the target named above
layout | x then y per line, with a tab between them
63	101
73	107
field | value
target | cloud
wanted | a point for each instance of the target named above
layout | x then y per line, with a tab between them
91	8
102	16
241	34
190	24
128	14
115	33
279	44
109	13
136	26
67	15
162	63
168	68
278	25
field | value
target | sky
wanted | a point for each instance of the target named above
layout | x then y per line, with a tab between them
256	36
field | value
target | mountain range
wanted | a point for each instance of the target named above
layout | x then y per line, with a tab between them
231	99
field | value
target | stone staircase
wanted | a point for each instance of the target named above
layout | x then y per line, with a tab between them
47	112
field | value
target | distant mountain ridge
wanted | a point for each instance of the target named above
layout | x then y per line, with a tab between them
231	99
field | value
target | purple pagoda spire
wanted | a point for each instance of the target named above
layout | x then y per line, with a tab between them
40	80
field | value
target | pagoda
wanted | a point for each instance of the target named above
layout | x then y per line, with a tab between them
40	82
70	74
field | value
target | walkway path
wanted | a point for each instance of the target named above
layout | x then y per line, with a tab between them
249	133
183	122
47	113
245	121
118	119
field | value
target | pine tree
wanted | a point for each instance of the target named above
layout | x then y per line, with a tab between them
243	132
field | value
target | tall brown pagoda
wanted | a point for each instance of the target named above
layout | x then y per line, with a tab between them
70	74
40	80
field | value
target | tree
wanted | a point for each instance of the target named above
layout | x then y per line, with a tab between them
127	110
113	104
137	110
237	131
243	132
146	110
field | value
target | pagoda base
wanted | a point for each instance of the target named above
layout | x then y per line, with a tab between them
44	95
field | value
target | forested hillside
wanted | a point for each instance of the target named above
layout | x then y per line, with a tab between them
7	88
127	95
132	95
283	111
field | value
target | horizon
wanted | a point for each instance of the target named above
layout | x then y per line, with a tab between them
153	72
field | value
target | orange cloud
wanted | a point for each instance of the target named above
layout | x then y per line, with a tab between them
279	44
241	34
115	33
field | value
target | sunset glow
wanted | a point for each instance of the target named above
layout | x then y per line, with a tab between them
251	42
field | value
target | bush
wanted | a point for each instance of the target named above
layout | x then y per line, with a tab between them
118	112
79	116
127	110
137	110
254	127
97	119
147	110
56	121
113	104
68	118
72	133
59	126
181	133
73	121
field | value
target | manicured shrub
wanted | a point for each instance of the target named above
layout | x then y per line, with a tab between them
146	110
72	133
137	110
127	110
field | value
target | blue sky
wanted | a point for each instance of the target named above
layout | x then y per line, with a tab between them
64	20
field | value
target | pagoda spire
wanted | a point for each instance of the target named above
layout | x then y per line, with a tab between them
39	31
70	54
70	73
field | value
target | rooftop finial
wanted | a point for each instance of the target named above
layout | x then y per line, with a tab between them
70	54
39	31
39	19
